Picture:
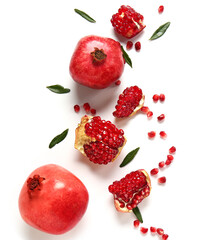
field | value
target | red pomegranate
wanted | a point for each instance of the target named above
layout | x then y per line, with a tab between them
99	140
97	62
52	199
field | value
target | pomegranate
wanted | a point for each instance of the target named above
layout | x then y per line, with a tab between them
99	140
97	62
130	190
52	199
127	22
129	102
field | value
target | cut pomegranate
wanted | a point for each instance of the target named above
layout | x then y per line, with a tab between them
130	190
172	150
162	180
160	231
129	102
161	9
136	223
93	111
155	98
118	82
153	229
127	22
76	108
86	107
162	97
165	236
149	114
161	164
161	117
163	134
99	140
129	45
143	230
138	46
154	171
145	109
151	134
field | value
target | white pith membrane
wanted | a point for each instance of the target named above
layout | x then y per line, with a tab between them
81	138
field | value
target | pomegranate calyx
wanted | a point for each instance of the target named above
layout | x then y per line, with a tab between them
98	55
34	183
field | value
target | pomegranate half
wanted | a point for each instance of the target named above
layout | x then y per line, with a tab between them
97	62
52	199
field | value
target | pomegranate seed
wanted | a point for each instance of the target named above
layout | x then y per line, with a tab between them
162	97
136	223
170	157
86	107
93	111
153	229
151	134
165	236
137	46
143	230
161	9
155	97
172	150
163	135
160	231
118	82
129	45
76	108
162	180
154	171
145	109
161	117
168	162
149	114
161	164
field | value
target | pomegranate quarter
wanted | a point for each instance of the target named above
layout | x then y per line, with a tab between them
97	62
53	199
130	190
99	140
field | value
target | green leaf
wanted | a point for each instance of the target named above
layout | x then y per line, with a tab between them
129	157
138	214
126	57
160	31
59	138
58	89
84	15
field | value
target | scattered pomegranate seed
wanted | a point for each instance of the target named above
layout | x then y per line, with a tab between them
93	111
163	134
165	236
118	82
161	117
143	230
170	157
160	231
151	134
129	45
161	9
155	97
154	171
162	97
149	114
161	164
76	108
172	150
145	109
86	107
136	223
153	229
168	162
137	46
162	180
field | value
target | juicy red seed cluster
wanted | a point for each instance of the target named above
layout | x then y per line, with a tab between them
130	190
124	21
76	108
100	153
138	46
161	9
129	45
127	102
105	131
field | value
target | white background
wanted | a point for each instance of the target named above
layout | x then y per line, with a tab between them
36	44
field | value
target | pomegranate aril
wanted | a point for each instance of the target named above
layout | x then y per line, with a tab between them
160	231
170	157
149	114
151	134
162	180
93	111
143	230
137	46
86	107
165	236
118	82
155	97
76	108
168	162
153	229
161	164
129	45
145	109
154	171
161	9
136	223
163	134
172	150
162	97
161	117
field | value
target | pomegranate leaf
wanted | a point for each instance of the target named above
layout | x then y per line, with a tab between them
59	138
160	31
138	214
126	57
84	15
129	157
58	89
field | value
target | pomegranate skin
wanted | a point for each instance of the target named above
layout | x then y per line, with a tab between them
94	74
59	204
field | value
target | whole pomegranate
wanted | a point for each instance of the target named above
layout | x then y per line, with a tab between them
53	199
97	62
